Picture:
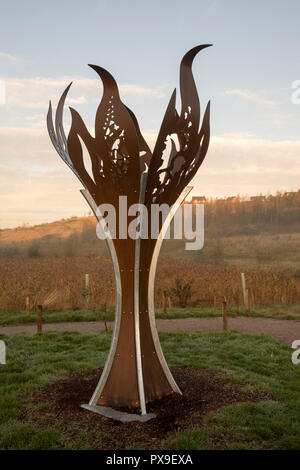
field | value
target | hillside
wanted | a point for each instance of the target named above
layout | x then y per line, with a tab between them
260	238
234	215
60	228
263	232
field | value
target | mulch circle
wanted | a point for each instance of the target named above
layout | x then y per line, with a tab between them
203	391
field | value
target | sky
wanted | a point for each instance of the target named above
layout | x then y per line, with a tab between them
248	75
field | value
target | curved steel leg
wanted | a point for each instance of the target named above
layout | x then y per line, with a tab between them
152	272
151	311
137	304
112	351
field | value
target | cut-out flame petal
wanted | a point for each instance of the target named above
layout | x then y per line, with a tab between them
111	109
119	153
184	162
188	90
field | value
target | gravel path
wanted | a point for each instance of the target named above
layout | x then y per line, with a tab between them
284	330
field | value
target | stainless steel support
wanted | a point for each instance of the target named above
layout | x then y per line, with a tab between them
136	299
98	390
151	309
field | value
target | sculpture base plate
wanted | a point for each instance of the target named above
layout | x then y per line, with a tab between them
119	415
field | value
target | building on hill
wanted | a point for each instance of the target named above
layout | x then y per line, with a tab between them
195	200
258	198
232	199
198	199
248	201
291	193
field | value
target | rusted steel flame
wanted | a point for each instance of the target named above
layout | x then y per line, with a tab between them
136	371
119	153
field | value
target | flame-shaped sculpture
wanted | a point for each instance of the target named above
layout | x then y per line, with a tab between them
122	164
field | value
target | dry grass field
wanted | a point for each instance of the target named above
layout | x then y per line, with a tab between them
183	282
260	238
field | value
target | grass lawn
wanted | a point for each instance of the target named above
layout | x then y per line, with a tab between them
255	361
280	312
20	318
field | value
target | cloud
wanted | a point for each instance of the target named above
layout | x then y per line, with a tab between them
35	92
36	186
279	119
129	89
248	165
247	95
7	58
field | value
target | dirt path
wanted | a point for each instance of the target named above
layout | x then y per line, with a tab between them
284	330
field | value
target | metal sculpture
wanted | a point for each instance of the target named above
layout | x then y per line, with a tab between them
136	371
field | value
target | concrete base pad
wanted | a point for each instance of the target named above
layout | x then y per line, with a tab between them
118	415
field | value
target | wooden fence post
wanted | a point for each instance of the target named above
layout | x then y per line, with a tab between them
39	318
244	288
87	291
27	305
252	303
165	302
224	315
247	300
238	303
